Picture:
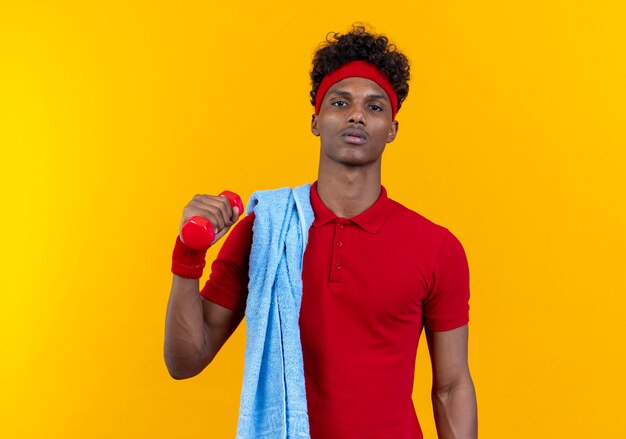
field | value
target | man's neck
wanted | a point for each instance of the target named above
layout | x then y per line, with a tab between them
349	193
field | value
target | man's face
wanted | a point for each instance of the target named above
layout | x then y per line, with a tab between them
354	122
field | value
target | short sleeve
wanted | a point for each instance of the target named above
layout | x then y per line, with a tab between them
446	306
228	282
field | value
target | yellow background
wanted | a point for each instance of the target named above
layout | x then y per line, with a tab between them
113	114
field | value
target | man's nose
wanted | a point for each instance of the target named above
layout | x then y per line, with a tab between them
358	116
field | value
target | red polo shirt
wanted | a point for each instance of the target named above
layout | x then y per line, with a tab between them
370	283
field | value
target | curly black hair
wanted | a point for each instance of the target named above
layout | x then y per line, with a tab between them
359	44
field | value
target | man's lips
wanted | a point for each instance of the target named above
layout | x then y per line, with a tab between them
352	135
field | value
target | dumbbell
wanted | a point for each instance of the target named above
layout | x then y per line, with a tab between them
198	232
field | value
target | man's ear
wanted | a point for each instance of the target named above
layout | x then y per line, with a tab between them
314	129
393	131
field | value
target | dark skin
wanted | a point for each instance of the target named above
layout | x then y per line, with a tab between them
196	328
354	125
349	169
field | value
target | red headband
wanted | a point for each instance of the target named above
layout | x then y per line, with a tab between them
359	69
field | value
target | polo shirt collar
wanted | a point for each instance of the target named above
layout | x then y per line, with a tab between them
369	220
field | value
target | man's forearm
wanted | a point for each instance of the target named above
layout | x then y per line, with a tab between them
184	328
455	410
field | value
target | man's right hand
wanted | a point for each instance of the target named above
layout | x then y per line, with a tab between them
216	209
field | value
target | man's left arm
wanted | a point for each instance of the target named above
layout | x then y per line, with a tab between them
453	394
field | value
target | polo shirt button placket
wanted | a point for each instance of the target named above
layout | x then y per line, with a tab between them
337	257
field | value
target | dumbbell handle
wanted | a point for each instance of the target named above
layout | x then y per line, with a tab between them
198	232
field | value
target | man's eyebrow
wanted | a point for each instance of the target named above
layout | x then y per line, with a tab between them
369	96
342	93
373	96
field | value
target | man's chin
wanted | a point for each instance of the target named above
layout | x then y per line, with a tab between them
349	159
357	162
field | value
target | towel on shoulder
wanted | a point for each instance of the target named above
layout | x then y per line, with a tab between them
273	396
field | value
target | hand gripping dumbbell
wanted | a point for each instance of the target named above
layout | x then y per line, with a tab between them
198	232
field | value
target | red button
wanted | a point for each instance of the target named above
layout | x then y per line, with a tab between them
338	265
341	226
339	244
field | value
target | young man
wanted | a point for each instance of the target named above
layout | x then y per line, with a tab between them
374	272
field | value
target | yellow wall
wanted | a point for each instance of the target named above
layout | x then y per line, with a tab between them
113	114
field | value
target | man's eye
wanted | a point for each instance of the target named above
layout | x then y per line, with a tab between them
339	103
376	107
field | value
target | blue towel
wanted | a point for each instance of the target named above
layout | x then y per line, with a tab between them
273	396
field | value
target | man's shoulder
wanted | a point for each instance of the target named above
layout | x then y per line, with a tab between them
401	215
417	231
